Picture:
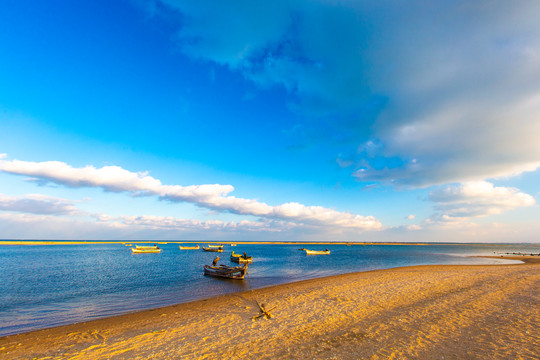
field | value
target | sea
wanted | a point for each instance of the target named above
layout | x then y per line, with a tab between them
50	285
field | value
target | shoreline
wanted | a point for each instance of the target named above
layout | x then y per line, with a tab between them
314	308
162	242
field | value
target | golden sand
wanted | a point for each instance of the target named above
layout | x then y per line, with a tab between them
421	312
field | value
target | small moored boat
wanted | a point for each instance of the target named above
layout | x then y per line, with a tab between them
224	271
189	247
212	249
317	252
146	247
241	258
215	246
147	250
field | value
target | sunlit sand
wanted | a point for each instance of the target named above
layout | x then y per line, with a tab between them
420	312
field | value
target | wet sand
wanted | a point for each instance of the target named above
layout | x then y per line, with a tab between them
420	312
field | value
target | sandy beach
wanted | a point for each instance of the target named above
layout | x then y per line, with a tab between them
421	312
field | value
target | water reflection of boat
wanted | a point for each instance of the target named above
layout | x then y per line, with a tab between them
241	258
212	249
147	250
224	271
317	252
189	247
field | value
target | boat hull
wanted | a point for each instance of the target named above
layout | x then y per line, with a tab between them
189	247
237	258
212	249
226	272
316	252
145	251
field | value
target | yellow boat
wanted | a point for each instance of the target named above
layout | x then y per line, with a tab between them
189	247
145	249
317	252
212	249
240	258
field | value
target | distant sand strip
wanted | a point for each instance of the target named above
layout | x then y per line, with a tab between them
420	312
94	242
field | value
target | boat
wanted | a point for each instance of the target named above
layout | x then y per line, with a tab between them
227	272
212	249
146	247
189	247
239	258
216	246
233	244
148	250
317	252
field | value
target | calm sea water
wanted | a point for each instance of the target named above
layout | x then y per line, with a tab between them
45	286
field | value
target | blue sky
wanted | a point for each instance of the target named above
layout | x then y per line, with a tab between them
282	120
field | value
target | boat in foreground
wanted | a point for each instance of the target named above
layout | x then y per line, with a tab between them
189	247
147	250
212	249
227	272
239	258
317	252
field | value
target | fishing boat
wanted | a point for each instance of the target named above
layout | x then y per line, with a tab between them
147	250
189	247
216	246
224	271
212	249
146	247
317	252
240	258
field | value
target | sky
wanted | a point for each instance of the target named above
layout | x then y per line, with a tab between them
273	120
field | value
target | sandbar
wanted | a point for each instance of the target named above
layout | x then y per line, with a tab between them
418	312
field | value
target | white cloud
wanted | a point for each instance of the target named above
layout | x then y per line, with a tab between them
114	178
411	217
171	223
476	199
449	90
37	204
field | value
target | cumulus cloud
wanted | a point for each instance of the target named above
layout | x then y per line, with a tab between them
37	204
176	224
448	89
114	178
476	199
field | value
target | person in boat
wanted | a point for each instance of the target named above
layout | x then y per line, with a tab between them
325	249
245	255
214	263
